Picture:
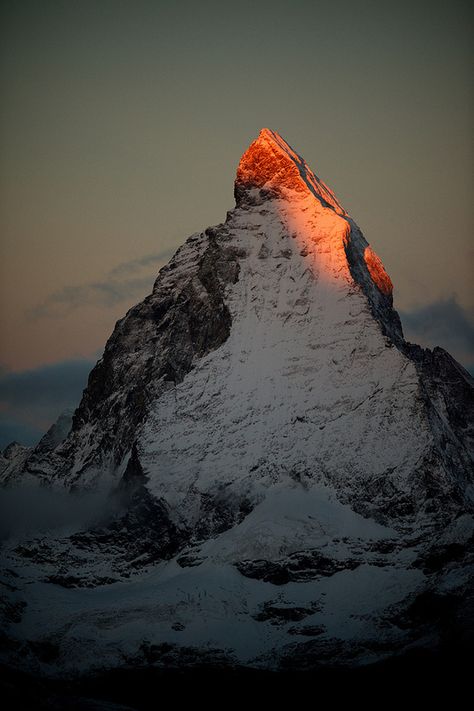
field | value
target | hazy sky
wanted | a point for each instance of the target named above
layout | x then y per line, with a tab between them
122	124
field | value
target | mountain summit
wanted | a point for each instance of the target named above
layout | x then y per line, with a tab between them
286	479
271	164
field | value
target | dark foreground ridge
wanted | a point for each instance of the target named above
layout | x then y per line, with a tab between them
144	688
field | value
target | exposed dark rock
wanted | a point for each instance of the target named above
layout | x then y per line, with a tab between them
171	655
430	606
384	546
12	450
448	393
56	434
141	536
298	567
316	653
45	650
219	512
11	609
307	630
41	552
381	303
189	561
277	613
133	478
154	344
439	557
449	616
265	570
74	581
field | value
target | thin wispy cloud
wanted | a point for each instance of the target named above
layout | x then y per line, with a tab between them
122	283
134	265
102	293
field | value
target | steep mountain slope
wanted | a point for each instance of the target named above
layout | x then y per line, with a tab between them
276	462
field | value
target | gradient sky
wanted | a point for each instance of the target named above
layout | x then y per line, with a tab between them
123	122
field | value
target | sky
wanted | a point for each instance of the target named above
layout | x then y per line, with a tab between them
122	125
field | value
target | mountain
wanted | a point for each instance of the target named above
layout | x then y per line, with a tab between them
14	456
281	481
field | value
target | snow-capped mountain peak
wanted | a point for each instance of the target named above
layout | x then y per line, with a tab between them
272	173
287	467
272	164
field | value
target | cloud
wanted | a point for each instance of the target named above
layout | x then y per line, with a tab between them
105	293
119	285
29	510
134	265
31	400
442	323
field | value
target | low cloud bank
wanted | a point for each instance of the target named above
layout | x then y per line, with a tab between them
32	400
442	323
29	510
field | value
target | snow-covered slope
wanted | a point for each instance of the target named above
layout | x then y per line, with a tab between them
281	464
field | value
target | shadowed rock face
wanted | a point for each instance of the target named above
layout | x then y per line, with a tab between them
184	318
370	275
151	349
281	465
56	434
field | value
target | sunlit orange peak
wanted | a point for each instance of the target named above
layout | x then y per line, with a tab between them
271	163
266	162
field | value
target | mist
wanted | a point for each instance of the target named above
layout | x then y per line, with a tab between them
32	510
